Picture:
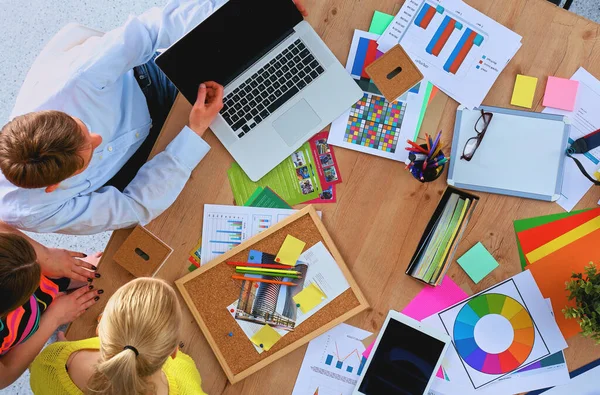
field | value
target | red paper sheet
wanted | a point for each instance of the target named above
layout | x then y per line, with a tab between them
553	271
534	238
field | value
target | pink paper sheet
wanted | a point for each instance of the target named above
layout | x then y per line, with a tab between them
429	301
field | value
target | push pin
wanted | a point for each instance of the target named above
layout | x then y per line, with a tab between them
251	257
297	304
255	285
232	310
230	334
261	345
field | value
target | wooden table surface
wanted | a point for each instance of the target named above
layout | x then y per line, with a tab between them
381	211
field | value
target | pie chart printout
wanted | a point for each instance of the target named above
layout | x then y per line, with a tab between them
494	334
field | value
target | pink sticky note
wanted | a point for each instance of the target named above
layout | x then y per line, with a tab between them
367	352
429	301
434	299
560	93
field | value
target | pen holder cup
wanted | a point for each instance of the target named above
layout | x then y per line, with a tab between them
430	174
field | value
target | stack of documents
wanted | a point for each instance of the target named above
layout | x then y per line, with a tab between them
457	48
433	256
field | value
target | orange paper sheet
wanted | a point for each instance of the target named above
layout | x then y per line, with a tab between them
534	238
553	271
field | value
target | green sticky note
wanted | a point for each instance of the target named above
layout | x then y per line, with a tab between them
380	22
529	223
477	262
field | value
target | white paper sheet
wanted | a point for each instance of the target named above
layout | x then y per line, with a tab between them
332	363
548	340
465	71
585	119
412	103
323	271
584	384
226	227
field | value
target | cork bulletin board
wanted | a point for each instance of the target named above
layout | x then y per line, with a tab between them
210	289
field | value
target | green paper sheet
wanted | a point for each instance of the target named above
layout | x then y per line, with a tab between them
380	22
529	223
265	197
295	179
477	262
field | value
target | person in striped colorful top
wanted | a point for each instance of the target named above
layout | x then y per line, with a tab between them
33	303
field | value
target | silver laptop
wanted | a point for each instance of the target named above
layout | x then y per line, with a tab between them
282	83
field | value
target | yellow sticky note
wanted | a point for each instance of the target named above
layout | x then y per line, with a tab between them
266	337
290	251
524	91
309	298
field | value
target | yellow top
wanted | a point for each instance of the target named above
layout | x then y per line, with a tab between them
49	375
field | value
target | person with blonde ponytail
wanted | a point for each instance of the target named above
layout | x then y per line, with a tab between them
136	351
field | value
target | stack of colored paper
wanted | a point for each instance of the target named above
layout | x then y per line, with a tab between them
554	247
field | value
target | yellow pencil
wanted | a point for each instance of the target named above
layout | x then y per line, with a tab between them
255	269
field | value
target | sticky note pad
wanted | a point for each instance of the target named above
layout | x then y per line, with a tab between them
290	251
560	93
524	91
309	298
266	337
380	22
477	262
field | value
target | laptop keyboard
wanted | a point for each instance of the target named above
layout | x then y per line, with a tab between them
270	87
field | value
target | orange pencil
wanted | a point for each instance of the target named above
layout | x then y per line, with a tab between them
260	280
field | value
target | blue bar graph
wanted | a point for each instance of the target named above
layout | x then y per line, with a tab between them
362	365
349	369
328	360
339	364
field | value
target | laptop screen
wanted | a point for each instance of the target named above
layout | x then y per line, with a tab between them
227	43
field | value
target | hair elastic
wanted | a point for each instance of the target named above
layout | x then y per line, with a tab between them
132	349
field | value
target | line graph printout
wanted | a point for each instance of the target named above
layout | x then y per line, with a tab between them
456	47
333	362
226	227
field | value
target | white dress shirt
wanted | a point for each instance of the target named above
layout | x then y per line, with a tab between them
94	81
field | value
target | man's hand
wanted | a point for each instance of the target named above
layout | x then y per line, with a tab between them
301	7
66	308
64	263
207	106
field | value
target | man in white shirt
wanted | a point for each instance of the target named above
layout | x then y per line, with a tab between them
76	126
72	158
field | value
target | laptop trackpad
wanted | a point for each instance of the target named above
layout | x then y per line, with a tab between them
296	122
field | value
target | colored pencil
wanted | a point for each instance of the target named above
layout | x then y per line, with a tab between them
427	143
260	265
258	270
270	274
261	280
436	143
417	147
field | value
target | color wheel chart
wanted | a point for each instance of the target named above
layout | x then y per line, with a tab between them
490	358
444	39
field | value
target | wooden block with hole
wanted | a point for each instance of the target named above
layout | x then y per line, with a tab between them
142	254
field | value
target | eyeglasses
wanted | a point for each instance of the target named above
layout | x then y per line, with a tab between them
480	128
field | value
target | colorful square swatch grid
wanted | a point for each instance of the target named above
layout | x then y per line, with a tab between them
375	123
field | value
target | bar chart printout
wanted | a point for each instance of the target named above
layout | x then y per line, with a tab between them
456	47
450	39
333	362
226	227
